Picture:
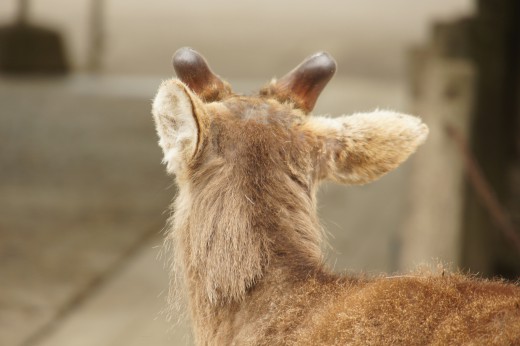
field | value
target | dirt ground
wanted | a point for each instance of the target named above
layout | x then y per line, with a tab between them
81	189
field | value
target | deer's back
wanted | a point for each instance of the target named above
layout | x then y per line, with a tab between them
451	309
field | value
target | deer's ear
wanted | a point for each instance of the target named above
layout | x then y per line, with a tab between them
179	117
360	148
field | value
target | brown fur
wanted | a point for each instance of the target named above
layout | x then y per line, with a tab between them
246	238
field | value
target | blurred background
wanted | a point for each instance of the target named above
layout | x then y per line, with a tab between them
84	198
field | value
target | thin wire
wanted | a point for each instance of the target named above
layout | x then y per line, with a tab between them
483	188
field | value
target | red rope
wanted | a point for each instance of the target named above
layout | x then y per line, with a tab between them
483	189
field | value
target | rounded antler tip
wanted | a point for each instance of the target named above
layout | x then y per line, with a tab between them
185	57
184	50
323	61
308	79
193	70
322	54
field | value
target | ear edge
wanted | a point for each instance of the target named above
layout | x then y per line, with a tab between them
362	147
178	124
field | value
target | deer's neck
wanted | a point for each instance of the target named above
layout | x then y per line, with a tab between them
229	237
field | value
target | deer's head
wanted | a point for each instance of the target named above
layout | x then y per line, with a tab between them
202	123
247	168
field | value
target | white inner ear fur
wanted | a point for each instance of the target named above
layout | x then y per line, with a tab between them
364	146
175	123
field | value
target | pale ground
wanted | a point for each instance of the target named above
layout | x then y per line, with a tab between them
128	310
82	204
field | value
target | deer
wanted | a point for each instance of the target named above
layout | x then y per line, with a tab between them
244	236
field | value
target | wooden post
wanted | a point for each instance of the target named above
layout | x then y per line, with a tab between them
23	12
468	77
494	133
442	90
97	32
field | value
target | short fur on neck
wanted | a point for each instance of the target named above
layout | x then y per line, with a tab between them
233	218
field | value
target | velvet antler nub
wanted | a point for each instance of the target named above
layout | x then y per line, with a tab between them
304	84
193	70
